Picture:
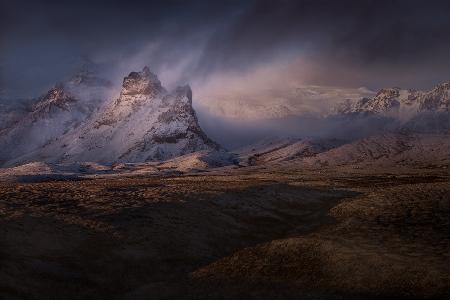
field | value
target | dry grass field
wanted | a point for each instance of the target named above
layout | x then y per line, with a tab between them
228	234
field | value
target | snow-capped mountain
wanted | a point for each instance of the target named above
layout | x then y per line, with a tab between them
401	101
409	110
62	108
144	123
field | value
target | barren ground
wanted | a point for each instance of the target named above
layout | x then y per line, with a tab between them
246	233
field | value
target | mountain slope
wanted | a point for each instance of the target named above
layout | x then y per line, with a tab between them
64	107
388	150
279	150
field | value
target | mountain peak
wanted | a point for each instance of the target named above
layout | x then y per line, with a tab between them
184	91
146	70
55	97
388	93
141	83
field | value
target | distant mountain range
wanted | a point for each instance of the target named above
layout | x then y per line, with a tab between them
86	120
405	110
403	103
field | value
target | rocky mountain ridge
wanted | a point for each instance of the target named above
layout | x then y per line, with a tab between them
401	101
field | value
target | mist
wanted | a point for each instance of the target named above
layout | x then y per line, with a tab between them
235	134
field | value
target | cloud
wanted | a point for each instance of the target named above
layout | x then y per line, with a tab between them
340	43
269	91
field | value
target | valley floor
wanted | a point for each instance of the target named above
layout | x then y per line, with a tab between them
233	233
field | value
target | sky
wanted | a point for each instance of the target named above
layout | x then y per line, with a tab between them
348	44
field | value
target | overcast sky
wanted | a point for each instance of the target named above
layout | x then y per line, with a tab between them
335	43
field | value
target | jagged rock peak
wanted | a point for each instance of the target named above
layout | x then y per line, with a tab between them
184	91
56	96
388	92
144	83
146	71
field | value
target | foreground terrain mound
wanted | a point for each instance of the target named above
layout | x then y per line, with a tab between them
389	242
233	233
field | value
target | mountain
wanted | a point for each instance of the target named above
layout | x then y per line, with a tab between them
78	121
403	110
413	125
145	123
401	101
64	107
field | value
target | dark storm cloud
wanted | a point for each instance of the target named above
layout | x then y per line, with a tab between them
45	39
361	33
375	42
